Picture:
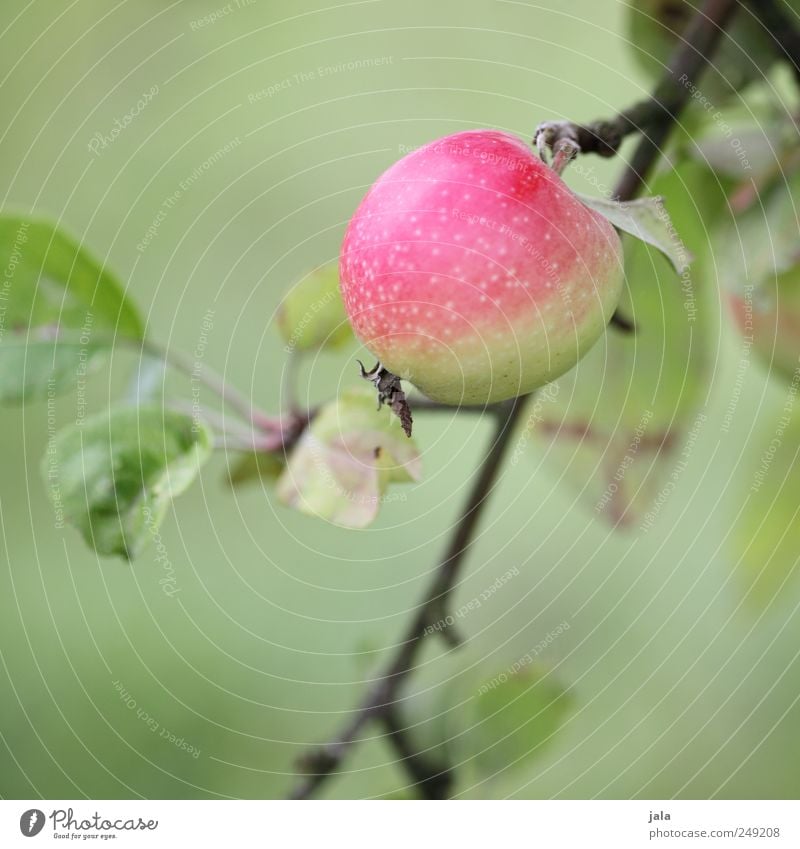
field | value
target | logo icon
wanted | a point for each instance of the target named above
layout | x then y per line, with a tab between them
31	822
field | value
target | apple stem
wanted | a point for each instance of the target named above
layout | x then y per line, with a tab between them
565	152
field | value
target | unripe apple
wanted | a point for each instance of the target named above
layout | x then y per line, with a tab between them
471	270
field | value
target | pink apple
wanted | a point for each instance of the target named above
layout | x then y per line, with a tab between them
471	270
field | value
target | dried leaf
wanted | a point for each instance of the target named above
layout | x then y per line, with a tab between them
345	461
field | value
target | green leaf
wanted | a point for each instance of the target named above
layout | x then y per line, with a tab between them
114	476
59	309
759	257
646	219
613	424
512	719
33	369
762	241
312	314
766	531
749	142
346	459
255	466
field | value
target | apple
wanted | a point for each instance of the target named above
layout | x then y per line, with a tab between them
471	270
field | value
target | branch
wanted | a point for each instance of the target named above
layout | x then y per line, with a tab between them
432	781
381	700
671	96
782	28
280	434
201	373
653	117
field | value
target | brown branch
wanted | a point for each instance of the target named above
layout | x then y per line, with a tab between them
280	434
657	116
781	26
381	701
432	781
654	117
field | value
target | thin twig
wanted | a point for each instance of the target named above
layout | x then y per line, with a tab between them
431	780
383	696
782	27
654	117
231	430
198	371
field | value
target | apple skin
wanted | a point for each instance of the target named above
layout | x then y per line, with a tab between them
471	270
771	321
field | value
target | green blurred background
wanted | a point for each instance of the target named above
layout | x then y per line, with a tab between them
677	687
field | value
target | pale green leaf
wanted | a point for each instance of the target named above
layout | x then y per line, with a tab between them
511	719
59	309
114	476
766	532
614	424
759	256
648	220
344	462
254	466
762	241
312	313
